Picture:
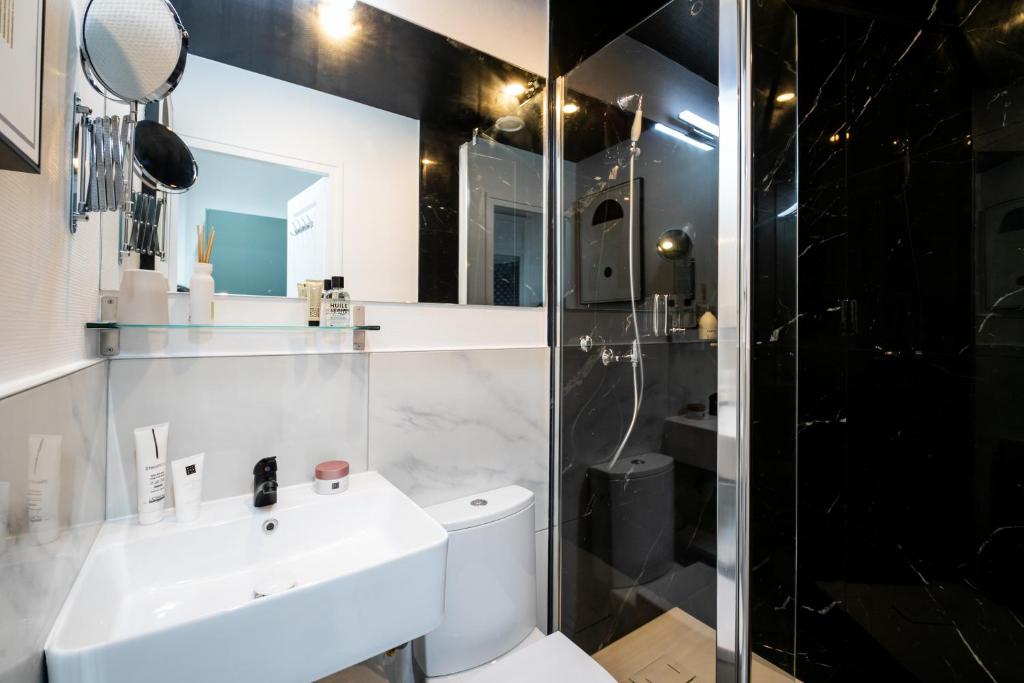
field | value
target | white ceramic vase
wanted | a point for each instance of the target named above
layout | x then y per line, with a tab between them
200	298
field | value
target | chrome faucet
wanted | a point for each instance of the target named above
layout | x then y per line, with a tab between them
264	485
608	355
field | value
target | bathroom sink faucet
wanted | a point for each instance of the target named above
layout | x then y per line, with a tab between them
264	485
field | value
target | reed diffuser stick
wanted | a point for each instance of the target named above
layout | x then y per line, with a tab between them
209	245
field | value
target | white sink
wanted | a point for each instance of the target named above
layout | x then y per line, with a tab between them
175	602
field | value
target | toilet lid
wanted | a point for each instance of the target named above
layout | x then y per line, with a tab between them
555	659
635	466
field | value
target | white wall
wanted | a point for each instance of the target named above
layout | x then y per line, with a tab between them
513	30
48	278
371	155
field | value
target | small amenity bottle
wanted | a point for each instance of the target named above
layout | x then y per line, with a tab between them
325	304
200	295
339	312
708	326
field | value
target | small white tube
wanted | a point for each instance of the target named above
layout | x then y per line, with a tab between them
188	486
151	468
43	493
5	502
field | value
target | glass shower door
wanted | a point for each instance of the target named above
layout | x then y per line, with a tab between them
654	251
637	185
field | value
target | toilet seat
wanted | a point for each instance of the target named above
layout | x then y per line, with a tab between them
554	659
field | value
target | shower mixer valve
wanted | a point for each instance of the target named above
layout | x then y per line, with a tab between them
608	356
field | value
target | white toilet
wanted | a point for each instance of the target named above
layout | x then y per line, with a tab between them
489	632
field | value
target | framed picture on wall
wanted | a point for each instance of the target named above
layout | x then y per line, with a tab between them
21	84
602	245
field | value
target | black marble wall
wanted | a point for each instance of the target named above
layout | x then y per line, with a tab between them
910	488
773	466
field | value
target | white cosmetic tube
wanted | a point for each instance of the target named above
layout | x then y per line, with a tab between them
42	499
151	468
188	486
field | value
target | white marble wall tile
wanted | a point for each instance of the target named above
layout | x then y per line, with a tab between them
303	409
36	577
451	423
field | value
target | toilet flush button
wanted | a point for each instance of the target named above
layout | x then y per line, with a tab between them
478	502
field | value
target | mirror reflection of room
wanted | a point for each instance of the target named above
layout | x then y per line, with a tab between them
410	192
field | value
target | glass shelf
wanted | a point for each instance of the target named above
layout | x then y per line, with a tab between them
230	326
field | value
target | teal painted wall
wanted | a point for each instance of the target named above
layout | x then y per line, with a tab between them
250	253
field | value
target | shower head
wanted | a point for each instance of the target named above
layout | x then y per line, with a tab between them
634	101
629	102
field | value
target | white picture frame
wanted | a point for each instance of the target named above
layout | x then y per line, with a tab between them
22	27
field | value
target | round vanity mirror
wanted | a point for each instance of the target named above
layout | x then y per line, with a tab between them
163	159
133	50
675	244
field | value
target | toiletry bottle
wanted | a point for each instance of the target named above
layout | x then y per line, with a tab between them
314	291
43	491
325	304
708	326
187	474
340	303
151	471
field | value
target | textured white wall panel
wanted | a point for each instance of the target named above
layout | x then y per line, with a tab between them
49	279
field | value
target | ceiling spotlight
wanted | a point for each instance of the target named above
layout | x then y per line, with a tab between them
510	123
514	89
784	97
336	18
427	162
571	108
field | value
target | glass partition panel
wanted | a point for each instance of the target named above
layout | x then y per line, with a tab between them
637	182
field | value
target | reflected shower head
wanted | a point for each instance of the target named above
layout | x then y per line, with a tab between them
634	102
629	103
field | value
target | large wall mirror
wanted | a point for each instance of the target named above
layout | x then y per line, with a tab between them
333	138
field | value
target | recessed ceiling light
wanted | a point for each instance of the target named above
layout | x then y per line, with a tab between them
784	97
514	89
510	123
699	122
336	18
427	162
571	108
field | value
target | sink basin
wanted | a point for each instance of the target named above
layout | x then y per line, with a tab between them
342	577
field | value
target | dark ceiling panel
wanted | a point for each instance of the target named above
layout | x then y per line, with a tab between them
685	31
579	29
388	63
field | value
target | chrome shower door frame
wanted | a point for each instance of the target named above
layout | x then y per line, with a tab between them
734	269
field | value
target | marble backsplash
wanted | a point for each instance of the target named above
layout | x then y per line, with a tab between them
36	572
438	424
303	409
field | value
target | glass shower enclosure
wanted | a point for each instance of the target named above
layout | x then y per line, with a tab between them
653	249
